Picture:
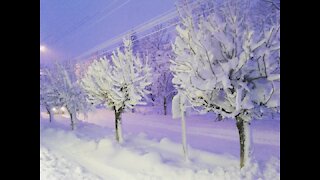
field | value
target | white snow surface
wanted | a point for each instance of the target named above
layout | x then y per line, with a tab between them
152	148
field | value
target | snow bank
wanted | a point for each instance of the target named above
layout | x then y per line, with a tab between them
53	167
90	152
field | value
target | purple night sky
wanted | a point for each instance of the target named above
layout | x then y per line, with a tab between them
69	28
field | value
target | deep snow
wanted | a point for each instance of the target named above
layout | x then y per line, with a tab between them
152	148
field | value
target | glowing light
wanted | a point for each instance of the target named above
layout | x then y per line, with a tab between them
42	48
63	109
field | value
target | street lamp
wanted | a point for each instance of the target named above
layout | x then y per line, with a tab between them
42	48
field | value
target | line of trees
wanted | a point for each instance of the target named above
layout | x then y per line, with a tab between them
59	88
119	83
221	61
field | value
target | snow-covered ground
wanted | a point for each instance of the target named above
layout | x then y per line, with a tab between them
152	148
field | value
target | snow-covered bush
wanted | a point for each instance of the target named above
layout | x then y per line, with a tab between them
224	65
68	92
119	83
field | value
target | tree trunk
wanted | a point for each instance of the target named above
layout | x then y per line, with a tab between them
50	114
118	127
73	119
245	141
165	105
184	136
152	98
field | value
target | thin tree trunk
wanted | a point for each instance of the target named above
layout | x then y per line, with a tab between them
50	114
245	141
118	127
152	98
73	119
165	105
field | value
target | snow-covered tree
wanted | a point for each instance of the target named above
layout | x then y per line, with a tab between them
158	49
69	93
119	83
48	93
223	65
162	87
